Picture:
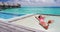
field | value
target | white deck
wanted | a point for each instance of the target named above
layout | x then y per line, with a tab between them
31	22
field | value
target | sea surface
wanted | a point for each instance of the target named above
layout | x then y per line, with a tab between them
33	10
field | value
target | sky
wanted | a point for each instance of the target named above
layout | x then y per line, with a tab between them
4	0
34	3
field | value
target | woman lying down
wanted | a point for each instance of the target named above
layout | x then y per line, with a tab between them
42	22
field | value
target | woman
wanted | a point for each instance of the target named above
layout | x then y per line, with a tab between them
42	23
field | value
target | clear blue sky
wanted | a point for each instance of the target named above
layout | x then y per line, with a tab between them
3	0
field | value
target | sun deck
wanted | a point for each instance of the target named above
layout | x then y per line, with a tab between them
33	23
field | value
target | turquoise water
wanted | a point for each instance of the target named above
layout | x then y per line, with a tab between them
8	16
33	10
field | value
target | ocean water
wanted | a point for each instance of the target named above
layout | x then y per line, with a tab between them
33	10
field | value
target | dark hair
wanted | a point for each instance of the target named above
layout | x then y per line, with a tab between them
39	16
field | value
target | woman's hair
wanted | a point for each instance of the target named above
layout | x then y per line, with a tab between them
39	16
